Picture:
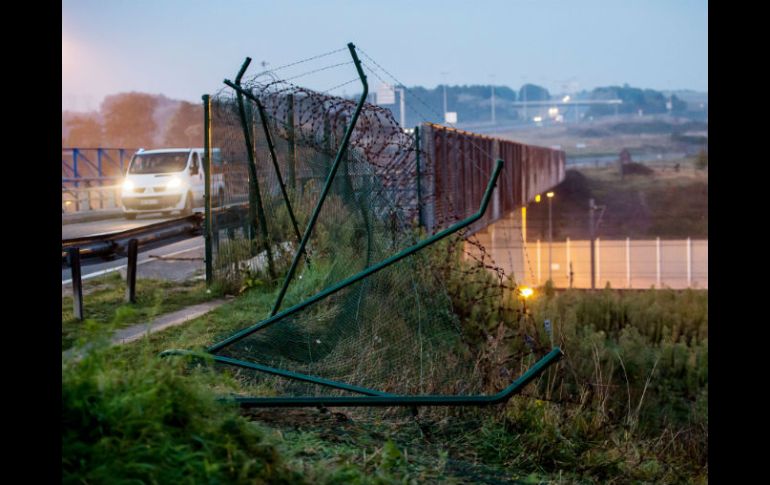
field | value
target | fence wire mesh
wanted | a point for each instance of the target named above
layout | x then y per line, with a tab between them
399	331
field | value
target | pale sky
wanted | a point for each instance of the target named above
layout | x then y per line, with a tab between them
185	48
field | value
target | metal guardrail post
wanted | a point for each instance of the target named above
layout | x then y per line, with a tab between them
77	282
133	252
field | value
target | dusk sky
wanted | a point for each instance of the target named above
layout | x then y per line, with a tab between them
185	48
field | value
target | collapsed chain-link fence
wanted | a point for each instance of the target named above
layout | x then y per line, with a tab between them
323	196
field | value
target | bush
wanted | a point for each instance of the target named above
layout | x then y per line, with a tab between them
151	423
634	168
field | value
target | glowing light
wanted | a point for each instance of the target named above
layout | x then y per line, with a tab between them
128	185
526	291
537	198
549	194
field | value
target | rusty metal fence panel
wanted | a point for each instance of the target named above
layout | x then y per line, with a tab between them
456	166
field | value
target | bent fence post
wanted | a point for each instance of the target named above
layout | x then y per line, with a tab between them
329	179
256	209
370	270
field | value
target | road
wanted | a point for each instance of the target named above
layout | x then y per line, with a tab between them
174	269
185	258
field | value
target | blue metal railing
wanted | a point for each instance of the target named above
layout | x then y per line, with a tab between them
89	176
99	165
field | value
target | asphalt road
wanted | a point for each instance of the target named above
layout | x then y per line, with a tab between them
69	231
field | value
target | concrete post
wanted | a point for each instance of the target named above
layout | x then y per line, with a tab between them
657	262
628	262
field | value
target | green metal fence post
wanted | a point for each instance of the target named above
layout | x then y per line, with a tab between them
280	372
329	180
271	147
256	209
207	228
368	271
401	400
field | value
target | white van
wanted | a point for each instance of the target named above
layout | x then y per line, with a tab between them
168	179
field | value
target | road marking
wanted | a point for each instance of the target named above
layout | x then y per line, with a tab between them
118	268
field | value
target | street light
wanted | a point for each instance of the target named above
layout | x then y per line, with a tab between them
525	292
550	235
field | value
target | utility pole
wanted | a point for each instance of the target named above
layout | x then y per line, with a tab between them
444	99
550	236
443	74
402	105
493	98
524	91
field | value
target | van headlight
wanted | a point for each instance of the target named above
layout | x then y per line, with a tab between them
128	185
174	183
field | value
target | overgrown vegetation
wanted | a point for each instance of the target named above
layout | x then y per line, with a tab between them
628	402
665	202
151	422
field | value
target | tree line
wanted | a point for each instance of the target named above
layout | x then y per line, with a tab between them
135	120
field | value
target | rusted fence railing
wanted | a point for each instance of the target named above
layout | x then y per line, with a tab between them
457	163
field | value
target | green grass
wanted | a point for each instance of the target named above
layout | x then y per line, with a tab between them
667	204
152	422
628	403
105	306
673	204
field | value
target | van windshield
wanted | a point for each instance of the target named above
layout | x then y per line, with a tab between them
158	162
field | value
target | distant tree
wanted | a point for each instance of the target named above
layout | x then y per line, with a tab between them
532	92
185	129
702	161
634	99
84	131
128	119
